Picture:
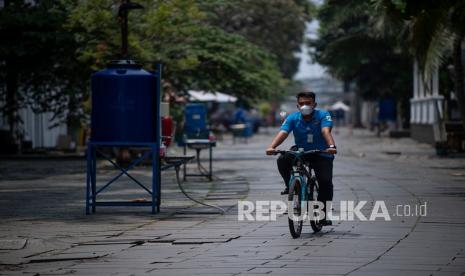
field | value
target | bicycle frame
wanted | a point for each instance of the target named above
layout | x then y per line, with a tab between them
300	170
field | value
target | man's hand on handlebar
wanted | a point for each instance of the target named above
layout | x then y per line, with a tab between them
331	150
271	151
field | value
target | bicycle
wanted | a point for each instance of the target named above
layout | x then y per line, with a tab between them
303	187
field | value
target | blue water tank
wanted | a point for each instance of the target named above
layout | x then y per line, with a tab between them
195	118
124	104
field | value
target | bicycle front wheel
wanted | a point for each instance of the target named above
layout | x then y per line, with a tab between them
313	196
294	205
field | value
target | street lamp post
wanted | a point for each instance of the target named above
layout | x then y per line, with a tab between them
124	8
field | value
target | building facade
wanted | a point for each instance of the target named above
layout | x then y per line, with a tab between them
38	128
426	108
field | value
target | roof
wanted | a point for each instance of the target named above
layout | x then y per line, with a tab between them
203	96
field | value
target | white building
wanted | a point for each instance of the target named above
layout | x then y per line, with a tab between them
36	127
426	108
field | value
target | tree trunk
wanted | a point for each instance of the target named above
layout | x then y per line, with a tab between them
357	109
11	107
459	83
11	81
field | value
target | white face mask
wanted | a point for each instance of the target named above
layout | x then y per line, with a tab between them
306	109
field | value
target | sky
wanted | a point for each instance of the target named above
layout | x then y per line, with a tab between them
307	69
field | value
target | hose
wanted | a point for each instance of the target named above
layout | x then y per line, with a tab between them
178	179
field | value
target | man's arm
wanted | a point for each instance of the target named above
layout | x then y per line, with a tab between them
326	132
278	139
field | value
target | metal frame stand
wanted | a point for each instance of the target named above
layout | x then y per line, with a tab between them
154	151
198	145
92	192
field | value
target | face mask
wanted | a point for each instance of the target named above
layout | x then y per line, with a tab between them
306	110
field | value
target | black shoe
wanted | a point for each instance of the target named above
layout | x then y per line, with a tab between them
326	222
285	192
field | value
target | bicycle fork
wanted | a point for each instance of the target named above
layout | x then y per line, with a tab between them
303	192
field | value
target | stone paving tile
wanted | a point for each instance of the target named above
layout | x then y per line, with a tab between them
186	239
401	272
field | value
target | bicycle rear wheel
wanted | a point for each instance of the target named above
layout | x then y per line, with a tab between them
313	196
294	208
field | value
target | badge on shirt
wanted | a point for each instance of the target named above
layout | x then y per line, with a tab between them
310	138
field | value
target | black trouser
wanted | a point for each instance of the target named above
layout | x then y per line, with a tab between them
323	167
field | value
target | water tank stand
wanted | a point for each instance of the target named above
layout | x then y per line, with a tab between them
198	145
91	192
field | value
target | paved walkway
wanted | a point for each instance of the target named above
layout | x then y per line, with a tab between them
44	230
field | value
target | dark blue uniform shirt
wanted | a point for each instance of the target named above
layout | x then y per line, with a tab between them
307	134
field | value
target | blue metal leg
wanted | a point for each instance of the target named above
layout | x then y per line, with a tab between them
158	185
185	170
94	178
154	179
210	176
88	158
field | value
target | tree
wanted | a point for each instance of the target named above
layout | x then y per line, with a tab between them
277	26
350	48
176	34
37	68
433	31
46	57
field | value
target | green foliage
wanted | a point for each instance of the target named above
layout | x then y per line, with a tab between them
37	65
352	50
351	46
264	109
277	26
434	31
175	33
428	27
49	49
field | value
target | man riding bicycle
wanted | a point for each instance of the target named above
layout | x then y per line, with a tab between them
312	131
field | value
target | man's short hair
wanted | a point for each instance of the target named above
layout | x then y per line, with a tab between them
306	94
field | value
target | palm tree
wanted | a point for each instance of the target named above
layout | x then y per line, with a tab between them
433	31
349	48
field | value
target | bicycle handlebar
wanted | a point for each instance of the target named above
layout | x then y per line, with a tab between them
300	152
